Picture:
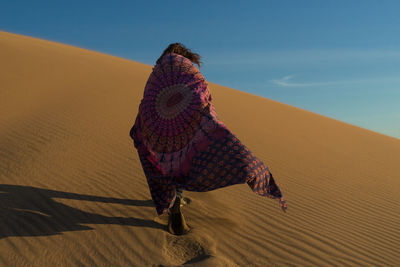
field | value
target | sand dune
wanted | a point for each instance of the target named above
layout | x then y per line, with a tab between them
72	191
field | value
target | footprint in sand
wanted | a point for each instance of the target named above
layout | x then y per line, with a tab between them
192	249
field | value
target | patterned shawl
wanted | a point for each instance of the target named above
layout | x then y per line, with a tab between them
182	144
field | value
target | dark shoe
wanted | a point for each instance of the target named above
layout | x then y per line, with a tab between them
176	222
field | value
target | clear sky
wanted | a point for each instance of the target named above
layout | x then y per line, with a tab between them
337	58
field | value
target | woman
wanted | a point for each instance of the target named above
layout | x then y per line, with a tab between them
181	143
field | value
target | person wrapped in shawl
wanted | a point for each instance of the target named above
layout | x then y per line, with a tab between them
181	143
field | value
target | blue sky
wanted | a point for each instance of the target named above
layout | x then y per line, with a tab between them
337	58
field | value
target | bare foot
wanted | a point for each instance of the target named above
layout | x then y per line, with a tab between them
176	222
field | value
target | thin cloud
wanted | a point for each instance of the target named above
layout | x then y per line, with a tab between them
286	81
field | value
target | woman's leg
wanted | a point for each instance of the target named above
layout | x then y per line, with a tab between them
176	222
179	193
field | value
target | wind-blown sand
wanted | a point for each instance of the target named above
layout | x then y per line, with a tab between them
72	190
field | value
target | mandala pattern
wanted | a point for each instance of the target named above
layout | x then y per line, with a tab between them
172	101
181	143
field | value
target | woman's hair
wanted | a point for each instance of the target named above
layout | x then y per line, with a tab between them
182	50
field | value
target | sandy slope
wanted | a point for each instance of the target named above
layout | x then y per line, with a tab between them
72	191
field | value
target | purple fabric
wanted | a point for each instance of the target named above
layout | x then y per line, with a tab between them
182	144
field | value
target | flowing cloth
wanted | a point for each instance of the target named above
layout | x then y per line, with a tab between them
182	144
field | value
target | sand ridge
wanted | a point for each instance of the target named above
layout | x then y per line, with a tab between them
72	191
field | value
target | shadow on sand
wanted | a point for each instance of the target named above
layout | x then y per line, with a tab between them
31	211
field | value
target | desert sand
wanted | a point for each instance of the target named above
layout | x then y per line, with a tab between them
73	193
